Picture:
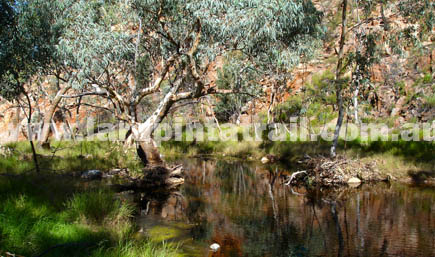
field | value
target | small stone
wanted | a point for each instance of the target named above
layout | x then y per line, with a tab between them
264	160
214	247
354	181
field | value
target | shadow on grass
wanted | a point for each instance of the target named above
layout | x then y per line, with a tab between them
52	215
33	218
414	151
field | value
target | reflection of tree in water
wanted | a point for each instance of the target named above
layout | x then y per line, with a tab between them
248	211
167	204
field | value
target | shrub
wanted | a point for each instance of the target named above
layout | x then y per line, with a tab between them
290	108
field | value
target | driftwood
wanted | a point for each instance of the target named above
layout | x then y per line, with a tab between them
333	172
293	176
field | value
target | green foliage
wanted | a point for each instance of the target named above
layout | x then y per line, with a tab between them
322	88
101	47
401	87
363	58
270	32
292	107
319	100
28	37
134	249
232	76
427	78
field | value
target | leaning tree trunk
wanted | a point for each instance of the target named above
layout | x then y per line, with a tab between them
143	133
49	115
338	83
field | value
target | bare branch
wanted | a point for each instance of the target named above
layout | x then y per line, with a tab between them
85	94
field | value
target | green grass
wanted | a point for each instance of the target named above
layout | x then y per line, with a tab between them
430	101
40	212
69	156
99	207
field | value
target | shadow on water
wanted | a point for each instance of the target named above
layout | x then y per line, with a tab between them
248	212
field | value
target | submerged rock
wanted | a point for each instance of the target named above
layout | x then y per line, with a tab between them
92	174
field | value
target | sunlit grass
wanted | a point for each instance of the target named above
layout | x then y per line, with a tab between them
38	214
70	156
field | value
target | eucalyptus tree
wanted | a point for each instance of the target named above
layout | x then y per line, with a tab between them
235	75
131	50
29	32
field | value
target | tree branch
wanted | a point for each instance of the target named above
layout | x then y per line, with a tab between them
149	90
85	94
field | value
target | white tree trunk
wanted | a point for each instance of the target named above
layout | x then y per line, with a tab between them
143	132
355	103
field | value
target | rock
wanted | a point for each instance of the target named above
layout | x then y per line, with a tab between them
269	158
214	247
5	151
265	160
92	174
354	181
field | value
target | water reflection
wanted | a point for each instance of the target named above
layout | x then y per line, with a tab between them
246	209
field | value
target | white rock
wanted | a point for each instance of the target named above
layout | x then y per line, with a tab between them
354	180
214	247
264	160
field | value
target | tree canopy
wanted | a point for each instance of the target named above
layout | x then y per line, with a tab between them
132	49
29	33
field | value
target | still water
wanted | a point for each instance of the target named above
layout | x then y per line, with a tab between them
247	211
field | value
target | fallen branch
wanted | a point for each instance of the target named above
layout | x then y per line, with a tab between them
294	176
